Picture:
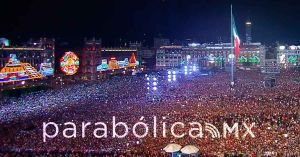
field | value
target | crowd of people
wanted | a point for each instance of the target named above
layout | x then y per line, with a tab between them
275	112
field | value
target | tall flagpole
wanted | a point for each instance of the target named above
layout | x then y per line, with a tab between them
232	47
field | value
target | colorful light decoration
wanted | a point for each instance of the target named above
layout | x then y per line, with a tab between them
292	59
69	63
242	59
254	59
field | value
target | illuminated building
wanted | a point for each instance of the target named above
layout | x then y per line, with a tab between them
248	25
34	53
15	70
209	55
118	53
95	59
288	56
90	58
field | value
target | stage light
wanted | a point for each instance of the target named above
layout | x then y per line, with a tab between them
169	72
169	80
154	83
169	76
174	79
148	78
154	79
174	72
154	88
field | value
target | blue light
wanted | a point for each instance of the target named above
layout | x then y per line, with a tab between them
174	79
154	88
169	80
148	78
169	76
154	83
169	72
174	72
154	79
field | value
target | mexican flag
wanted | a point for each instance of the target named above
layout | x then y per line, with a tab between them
236	40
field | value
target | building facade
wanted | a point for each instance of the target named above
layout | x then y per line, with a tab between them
248	25
288	56
90	58
33	52
209	55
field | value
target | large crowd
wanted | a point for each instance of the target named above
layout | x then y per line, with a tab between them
275	111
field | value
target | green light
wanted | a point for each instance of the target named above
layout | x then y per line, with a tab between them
292	59
219	59
6	43
254	59
242	59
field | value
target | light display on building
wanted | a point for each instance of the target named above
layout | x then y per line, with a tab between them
132	61
15	70
69	63
103	66
249	59
46	69
293	59
254	59
113	63
242	59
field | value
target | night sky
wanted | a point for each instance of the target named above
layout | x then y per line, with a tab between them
131	20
